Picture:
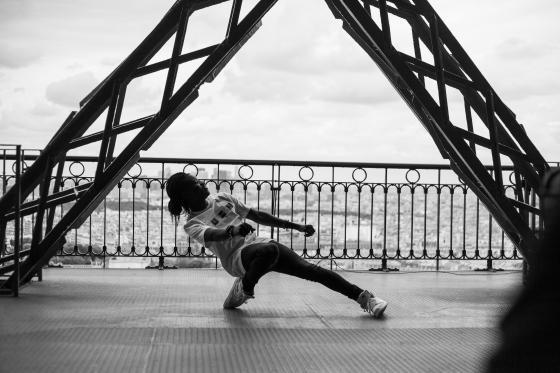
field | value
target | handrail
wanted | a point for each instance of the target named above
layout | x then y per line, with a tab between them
265	162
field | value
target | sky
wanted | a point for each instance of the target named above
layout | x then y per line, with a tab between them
300	89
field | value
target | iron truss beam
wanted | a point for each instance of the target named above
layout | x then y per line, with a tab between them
504	137
444	64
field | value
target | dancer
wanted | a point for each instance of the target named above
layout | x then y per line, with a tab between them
217	222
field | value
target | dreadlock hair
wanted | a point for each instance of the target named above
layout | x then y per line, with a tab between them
176	187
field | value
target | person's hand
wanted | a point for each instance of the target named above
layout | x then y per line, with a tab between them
307	229
243	229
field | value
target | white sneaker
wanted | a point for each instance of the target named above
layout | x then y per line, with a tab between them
236	296
371	304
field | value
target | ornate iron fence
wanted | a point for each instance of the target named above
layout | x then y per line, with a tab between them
415	215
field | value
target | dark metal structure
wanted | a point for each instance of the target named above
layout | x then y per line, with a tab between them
424	80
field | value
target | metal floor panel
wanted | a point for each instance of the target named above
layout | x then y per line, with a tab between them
173	321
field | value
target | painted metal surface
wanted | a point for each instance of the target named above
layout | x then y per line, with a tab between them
172	321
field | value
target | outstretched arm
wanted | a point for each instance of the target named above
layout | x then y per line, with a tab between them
264	218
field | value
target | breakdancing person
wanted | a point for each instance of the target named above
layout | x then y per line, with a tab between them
217	222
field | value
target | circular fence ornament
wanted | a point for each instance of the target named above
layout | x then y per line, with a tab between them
22	169
412	176
357	173
130	174
245	172
304	170
192	167
512	178
74	167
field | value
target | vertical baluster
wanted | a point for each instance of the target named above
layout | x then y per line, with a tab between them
359	216
90	246
3	222
489	255
292	188
306	189
477	253
104	249
133	248
22	199
258	203
371	221
319	218
385	191
451	255
147	248
438	218
272	199
398	254
424	251
119	185
17	223
331	252
345	217
411	254
464	253
278	190
161	207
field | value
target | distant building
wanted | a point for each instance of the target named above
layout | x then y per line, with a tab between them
202	173
222	175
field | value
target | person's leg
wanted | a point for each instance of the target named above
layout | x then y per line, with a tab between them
292	264
258	259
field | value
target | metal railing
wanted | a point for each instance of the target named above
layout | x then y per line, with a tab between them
14	265
383	214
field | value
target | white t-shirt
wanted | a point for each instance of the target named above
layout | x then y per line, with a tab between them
223	210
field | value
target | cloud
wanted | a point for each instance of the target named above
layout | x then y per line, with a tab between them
361	89
312	55
258	85
43	109
68	92
17	57
516	48
535	83
110	61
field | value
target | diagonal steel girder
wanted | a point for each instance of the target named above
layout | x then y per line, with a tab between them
510	139
452	67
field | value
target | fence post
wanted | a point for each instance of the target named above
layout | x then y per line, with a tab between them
17	222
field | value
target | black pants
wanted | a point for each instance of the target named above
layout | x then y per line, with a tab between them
259	259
